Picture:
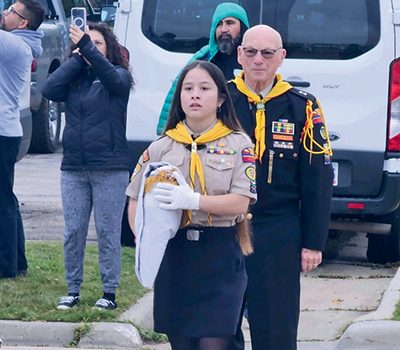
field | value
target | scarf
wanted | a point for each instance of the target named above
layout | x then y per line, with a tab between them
259	132
181	134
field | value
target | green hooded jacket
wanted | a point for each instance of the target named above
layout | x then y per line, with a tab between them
206	53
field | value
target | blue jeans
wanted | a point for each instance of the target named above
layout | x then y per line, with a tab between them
12	237
104	191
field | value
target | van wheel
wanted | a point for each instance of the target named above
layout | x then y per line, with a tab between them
46	126
386	248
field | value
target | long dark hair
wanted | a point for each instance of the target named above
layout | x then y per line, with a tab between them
114	52
226	113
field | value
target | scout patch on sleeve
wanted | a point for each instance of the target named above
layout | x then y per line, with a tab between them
248	155
145	156
322	132
284	128
327	157
250	173
317	116
137	169
253	187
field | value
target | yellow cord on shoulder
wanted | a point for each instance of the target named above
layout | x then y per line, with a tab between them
308	140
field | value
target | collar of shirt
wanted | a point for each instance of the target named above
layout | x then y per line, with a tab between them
264	92
195	135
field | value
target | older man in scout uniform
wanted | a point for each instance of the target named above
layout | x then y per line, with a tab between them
294	185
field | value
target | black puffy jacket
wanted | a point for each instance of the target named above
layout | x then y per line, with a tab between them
96	99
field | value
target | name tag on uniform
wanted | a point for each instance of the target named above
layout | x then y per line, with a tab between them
284	128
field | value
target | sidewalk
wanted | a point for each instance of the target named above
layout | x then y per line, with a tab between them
374	331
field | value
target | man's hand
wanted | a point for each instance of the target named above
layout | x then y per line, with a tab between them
177	197
310	259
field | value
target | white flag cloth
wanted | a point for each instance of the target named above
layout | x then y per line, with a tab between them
154	227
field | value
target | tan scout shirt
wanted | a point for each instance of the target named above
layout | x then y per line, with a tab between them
228	166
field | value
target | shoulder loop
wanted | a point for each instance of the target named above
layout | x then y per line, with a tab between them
302	94
160	137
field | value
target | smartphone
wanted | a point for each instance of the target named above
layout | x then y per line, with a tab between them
78	17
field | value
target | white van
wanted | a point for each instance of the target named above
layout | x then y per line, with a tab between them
342	51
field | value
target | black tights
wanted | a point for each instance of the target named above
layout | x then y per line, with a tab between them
205	343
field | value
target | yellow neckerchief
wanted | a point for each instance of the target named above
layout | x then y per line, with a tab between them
181	134
307	135
259	132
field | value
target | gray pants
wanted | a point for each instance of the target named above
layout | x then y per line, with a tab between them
105	192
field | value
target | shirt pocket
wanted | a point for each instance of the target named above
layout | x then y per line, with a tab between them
285	170
218	173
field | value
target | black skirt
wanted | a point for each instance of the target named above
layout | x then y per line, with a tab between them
201	283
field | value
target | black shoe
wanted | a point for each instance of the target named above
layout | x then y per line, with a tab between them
105	304
68	302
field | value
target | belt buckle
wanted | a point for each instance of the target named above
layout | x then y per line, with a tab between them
193	235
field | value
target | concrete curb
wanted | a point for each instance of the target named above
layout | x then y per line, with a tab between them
105	335
37	333
376	330
114	335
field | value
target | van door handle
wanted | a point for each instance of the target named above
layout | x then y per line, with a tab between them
299	83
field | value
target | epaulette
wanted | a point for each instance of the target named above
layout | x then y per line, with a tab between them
160	137
243	134
303	94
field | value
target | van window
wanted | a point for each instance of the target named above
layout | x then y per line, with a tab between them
69	4
312	29
182	25
326	29
179	26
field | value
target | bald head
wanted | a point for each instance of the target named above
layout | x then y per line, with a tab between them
260	55
263	32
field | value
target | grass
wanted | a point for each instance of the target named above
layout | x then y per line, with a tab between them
79	332
149	336
35	297
396	315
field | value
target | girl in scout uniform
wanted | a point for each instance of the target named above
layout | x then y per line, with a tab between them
200	286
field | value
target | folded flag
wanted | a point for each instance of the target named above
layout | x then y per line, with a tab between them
154	226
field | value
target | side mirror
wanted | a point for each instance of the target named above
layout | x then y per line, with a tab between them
107	14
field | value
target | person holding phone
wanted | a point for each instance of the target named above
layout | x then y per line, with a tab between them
94	84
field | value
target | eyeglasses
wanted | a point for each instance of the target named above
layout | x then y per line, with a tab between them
12	10
265	53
